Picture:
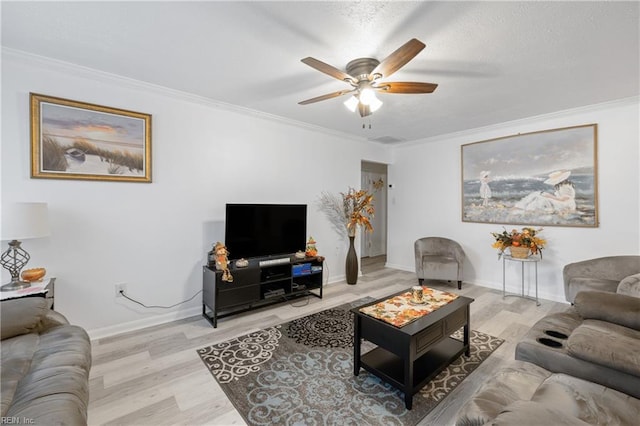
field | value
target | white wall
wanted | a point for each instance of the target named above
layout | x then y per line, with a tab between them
426	199
154	237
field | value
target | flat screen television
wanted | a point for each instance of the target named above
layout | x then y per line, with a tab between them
260	230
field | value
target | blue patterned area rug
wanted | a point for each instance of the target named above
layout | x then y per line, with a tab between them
301	372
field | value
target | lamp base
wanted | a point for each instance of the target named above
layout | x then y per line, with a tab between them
15	285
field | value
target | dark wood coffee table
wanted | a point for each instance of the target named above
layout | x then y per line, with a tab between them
409	357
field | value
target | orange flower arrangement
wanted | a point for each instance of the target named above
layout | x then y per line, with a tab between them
348	210
358	210
525	238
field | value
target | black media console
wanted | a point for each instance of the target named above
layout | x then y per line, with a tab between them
263	282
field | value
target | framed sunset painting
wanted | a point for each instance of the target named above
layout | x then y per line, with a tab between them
78	140
539	178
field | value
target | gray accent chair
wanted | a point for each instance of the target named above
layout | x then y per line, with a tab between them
439	258
602	274
45	364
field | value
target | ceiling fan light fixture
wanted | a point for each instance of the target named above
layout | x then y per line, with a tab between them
368	75
352	103
368	96
375	104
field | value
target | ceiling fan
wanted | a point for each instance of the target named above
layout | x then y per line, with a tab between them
365	77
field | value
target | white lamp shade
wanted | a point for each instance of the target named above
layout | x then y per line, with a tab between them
375	104
367	96
351	103
21	221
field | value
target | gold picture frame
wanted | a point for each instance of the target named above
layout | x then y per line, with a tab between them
547	178
79	140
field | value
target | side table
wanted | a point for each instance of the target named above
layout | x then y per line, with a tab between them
44	288
530	259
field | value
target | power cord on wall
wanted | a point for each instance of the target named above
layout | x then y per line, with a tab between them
200	291
158	306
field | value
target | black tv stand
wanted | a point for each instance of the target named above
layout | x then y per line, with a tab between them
265	281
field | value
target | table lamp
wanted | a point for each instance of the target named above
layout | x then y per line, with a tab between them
21	221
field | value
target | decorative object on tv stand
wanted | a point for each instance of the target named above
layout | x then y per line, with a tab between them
346	213
311	250
520	243
21	221
222	261
242	263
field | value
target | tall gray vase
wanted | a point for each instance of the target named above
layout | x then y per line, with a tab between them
351	264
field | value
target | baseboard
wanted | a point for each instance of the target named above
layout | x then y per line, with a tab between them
101	333
511	289
127	327
399	267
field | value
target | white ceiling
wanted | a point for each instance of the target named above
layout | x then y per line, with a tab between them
494	61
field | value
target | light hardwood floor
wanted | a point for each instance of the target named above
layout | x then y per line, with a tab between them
155	377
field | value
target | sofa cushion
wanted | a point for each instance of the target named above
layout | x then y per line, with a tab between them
630	286
588	401
607	344
21	316
531	413
17	353
611	307
589	283
504	387
560	360
559	399
54	387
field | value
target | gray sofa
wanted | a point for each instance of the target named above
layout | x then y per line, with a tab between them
599	341
526	394
602	274
580	366
45	365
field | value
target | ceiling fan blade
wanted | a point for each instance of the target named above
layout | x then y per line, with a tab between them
399	58
405	87
327	69
327	96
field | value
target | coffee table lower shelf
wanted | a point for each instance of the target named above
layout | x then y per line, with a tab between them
390	367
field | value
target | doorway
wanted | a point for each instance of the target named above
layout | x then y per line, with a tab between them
373	178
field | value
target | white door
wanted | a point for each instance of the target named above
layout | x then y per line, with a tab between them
375	244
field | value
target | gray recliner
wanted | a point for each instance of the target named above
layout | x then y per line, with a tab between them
45	365
597	339
577	367
601	274
439	258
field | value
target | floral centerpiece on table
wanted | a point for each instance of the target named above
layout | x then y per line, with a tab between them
527	238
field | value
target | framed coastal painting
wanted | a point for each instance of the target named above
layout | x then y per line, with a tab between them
78	140
540	178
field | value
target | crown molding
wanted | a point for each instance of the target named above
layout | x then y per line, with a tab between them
507	125
103	76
